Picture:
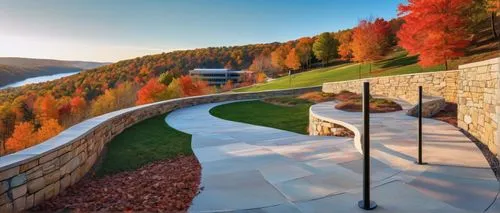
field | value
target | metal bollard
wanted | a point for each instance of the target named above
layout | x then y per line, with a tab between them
366	203
420	94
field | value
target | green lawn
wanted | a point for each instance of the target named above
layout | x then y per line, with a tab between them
398	64
290	118
145	142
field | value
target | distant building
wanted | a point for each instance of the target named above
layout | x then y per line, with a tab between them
218	76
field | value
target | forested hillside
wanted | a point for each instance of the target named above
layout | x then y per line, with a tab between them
17	69
432	33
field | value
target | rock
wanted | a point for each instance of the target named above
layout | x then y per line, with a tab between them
467	119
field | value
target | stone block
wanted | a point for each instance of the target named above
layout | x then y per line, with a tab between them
19	191
50	166
27	166
30	201
49	191
6	208
6	174
18	180
48	157
4	186
5	198
36	185
65	181
20	204
39	197
52	177
35	174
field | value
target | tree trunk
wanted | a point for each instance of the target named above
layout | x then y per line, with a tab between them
359	70
493	17
446	64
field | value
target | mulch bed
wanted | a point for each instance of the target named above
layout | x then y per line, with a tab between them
164	186
448	114
352	102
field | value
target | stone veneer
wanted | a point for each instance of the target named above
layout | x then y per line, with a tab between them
474	87
318	126
405	87
479	101
30	176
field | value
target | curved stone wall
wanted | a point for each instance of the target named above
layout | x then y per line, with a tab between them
35	174
324	126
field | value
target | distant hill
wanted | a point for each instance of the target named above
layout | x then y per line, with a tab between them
13	69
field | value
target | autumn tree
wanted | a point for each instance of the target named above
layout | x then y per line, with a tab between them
46	107
435	29
227	86
370	40
78	105
325	47
292	60
7	123
345	47
124	94
104	103
22	137
262	63
173	90
193	87
278	57
304	50
493	6
49	129
150	92
166	78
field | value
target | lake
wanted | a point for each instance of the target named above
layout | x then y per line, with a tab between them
38	79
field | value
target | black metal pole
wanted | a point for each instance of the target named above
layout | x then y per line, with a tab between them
366	203
420	125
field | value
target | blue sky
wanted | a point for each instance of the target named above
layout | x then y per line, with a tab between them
112	30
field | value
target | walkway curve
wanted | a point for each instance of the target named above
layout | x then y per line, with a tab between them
253	168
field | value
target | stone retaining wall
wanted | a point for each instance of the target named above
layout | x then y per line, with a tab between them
30	176
479	101
405	87
474	87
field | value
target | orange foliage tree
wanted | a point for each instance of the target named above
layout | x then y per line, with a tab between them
292	60
22	137
345	47
278	57
370	40
46	107
193	87
435	29
262	63
227	86
78	105
304	50
149	92
49	129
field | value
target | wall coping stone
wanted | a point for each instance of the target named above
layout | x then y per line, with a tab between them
80	130
480	63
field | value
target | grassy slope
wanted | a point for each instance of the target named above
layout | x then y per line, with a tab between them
290	118
398	64
143	143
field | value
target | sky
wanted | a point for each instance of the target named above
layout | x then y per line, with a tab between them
113	30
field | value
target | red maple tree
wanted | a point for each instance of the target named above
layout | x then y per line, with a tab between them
149	92
435	29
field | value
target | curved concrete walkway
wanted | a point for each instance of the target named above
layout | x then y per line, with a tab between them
250	168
